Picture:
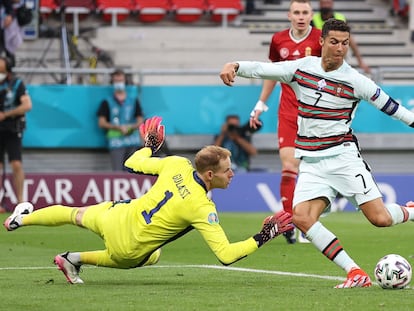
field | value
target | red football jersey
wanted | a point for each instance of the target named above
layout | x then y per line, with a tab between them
285	47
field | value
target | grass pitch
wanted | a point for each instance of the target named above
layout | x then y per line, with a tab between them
189	277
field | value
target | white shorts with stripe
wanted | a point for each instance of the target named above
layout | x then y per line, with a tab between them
346	173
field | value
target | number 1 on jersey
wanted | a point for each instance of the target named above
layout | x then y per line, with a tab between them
148	216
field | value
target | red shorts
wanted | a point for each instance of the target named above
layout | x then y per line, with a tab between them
287	128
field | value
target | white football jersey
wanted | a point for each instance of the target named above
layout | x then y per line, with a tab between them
327	101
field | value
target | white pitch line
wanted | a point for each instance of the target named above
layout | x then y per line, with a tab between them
26	268
249	270
325	277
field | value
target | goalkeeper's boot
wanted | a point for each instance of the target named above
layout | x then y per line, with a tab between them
154	258
356	278
69	269
14	221
290	236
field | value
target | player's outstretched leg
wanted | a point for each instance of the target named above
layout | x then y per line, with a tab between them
68	268
356	278
14	221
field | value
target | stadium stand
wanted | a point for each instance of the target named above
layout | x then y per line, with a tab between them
114	11
224	11
47	7
77	10
203	43
150	11
188	11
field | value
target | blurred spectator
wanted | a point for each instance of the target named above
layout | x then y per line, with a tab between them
400	8
250	7
326	11
120	115
237	139
6	19
14	103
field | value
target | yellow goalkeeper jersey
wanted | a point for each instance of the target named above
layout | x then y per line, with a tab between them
176	204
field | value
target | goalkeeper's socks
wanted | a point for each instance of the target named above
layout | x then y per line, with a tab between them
329	245
74	258
54	215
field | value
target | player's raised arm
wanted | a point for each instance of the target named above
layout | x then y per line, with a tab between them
153	132
154	135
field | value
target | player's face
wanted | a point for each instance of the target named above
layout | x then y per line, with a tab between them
300	16
334	49
222	177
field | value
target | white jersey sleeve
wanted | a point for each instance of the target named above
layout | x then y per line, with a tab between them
279	71
366	89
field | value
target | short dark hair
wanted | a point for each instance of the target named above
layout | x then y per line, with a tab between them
335	25
8	63
118	71
232	116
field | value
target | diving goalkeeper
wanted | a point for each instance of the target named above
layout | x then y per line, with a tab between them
134	230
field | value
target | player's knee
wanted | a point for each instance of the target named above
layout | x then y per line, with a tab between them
301	221
291	166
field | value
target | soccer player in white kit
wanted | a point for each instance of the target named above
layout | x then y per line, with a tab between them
328	91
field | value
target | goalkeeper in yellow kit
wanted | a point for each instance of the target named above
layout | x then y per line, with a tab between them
135	230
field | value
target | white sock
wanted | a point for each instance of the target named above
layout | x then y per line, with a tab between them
74	258
399	214
329	245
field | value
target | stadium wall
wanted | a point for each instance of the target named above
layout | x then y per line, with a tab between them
248	192
65	116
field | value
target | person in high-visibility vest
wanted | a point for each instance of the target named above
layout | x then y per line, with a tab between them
326	11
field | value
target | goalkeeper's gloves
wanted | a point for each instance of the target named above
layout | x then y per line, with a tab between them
153	133
274	226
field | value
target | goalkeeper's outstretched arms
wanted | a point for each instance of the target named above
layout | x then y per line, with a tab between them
153	132
154	135
273	226
228	253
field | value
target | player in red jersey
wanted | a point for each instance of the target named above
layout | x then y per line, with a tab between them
298	41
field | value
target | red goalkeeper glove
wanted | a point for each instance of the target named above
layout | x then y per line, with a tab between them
274	226
153	133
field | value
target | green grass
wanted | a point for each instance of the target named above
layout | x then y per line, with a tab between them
29	280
